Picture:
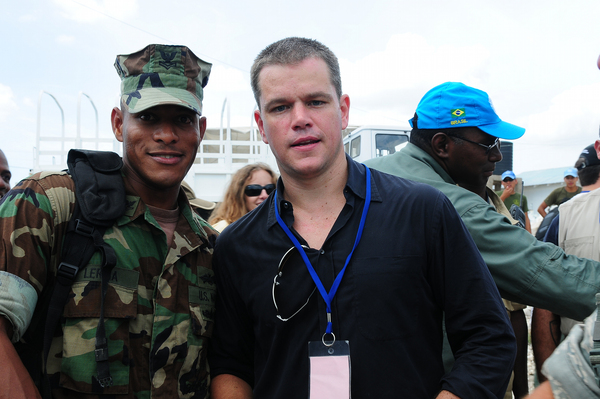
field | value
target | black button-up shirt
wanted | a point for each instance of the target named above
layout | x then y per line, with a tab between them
415	262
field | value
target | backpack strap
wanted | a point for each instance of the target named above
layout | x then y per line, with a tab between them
101	353
78	248
100	201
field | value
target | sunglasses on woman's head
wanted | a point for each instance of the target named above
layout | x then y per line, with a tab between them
254	190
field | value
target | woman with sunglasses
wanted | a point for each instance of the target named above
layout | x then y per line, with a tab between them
248	188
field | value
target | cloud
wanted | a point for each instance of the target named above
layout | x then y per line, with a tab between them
8	106
572	112
88	11
65	39
29	102
228	79
409	60
556	135
27	18
233	84
391	82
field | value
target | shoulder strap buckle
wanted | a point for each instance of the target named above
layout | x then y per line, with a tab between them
67	271
84	228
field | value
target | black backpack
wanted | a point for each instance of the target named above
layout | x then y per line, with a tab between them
547	221
545	225
100	201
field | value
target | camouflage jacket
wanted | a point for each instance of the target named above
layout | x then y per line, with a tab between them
159	306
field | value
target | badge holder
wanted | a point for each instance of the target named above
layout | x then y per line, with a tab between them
329	360
329	369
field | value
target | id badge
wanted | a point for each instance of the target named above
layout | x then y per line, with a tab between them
329	370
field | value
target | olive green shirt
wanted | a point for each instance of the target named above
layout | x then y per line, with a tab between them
560	195
525	270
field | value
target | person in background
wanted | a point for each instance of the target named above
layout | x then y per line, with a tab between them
510	197
519	383
518	320
5	175
588	169
572	369
248	188
562	194
548	328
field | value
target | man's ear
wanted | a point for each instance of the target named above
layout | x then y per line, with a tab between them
345	110
202	127
261	127
116	120
440	144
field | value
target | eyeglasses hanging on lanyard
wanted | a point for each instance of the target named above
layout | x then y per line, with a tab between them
328	296
286	272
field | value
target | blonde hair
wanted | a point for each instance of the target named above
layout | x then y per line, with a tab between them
233	206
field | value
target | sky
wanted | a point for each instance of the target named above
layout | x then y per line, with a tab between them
536	60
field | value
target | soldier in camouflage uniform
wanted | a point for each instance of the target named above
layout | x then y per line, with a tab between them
159	307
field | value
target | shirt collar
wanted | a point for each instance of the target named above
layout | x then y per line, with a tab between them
137	208
435	170
497	203
355	184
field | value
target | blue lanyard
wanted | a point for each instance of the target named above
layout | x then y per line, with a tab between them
328	297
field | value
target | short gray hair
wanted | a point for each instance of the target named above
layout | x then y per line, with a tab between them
293	50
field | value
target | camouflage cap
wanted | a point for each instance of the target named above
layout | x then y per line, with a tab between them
161	74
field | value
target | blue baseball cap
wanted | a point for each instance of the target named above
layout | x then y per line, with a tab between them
571	172
454	104
508	173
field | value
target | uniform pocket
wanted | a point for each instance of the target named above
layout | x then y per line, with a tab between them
582	246
194	373
202	303
78	365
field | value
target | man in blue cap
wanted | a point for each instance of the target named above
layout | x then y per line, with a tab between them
454	147
562	194
511	197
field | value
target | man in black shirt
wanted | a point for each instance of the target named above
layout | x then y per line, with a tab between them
388	258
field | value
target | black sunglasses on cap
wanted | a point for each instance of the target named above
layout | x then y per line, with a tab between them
254	190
